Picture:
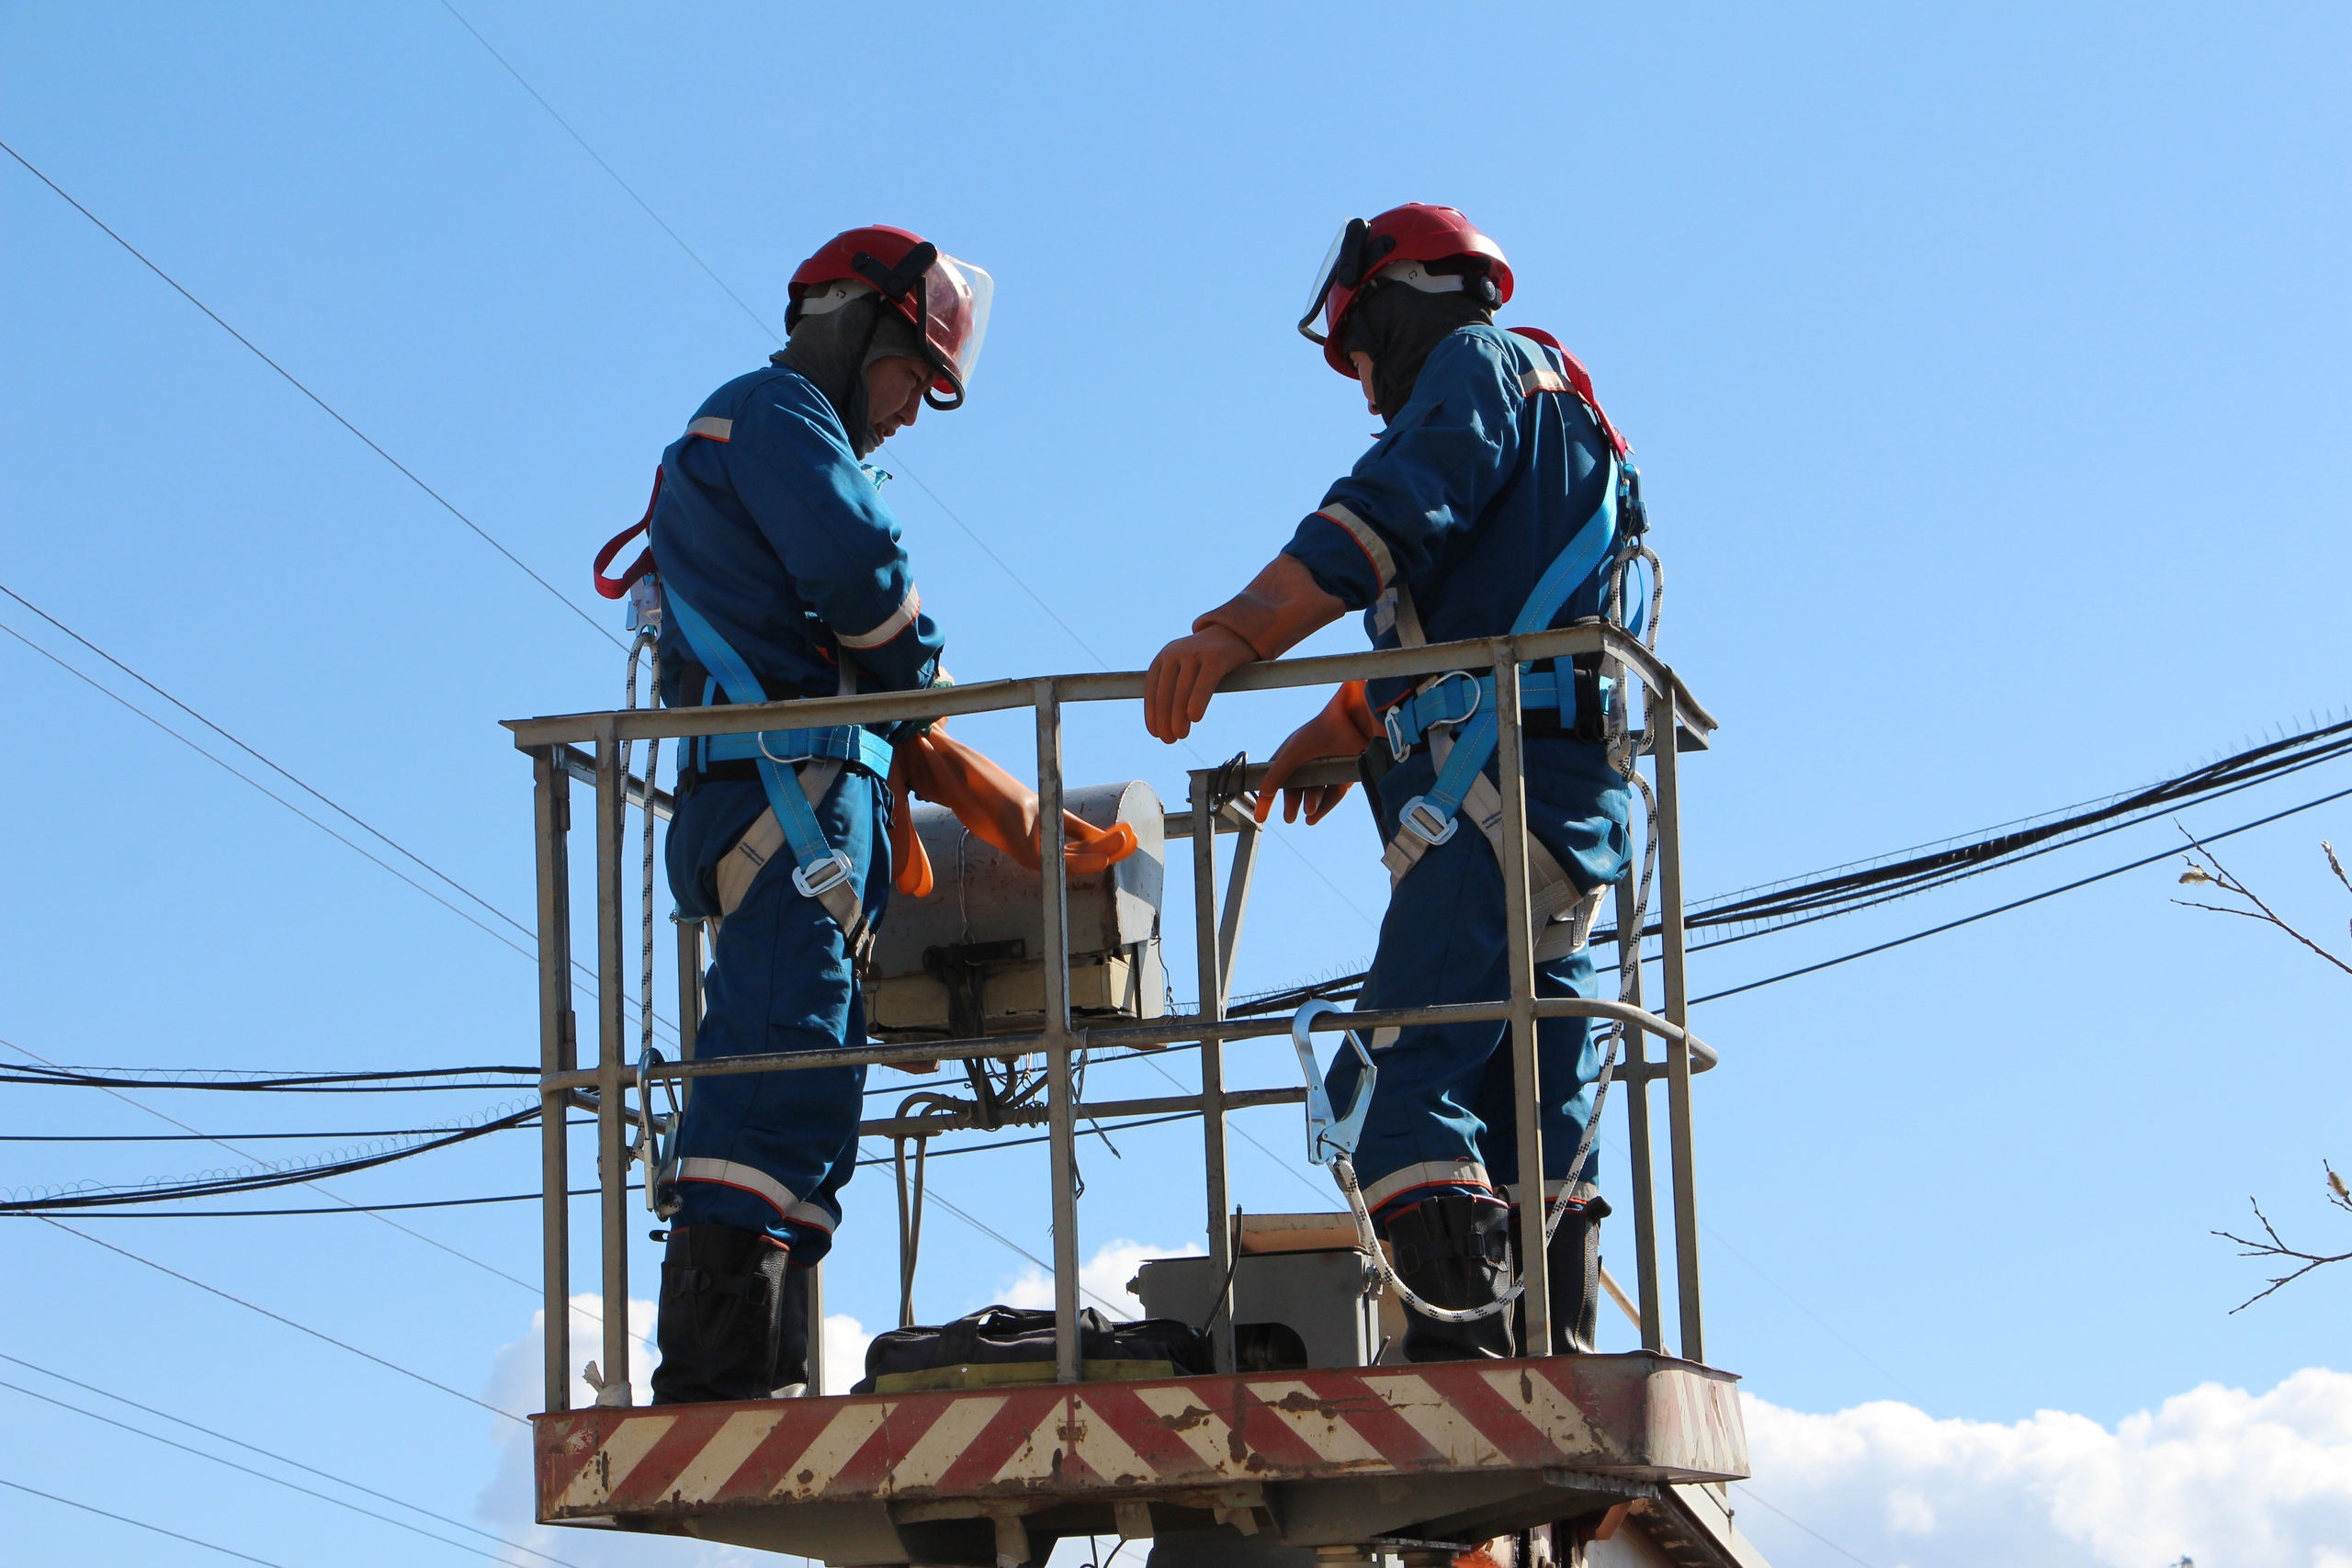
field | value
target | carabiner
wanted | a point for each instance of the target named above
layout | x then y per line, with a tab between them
1330	1138
657	1138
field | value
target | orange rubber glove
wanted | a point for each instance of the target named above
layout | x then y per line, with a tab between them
999	809
913	876
1280	607
1343	728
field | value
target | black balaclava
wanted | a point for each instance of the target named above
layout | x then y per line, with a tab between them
833	351
1398	325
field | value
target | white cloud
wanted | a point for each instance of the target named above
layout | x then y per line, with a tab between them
506	1507
2217	1474
845	1343
1105	1275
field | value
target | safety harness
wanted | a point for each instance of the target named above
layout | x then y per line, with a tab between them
1454	711
795	767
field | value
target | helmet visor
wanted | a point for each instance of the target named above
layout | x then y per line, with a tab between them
956	296
1324	278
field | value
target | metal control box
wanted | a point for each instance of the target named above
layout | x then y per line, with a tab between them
963	963
1291	1311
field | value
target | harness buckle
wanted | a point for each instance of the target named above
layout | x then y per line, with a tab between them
1423	820
816	881
1393	721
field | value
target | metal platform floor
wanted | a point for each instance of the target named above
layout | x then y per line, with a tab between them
1452	1451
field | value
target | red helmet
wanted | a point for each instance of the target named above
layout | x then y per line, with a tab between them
946	300
1413	233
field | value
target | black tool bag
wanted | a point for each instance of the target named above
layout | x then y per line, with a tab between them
998	1334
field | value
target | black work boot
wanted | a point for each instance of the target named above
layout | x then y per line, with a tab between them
1573	1266
1453	1252
721	1315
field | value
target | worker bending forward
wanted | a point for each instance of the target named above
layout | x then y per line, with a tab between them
1487	506
782	576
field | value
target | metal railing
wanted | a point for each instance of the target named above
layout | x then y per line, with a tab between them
1668	708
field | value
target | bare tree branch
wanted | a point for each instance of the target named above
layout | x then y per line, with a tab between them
2277	1248
2220	877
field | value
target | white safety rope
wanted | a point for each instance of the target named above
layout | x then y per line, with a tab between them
1629	964
648	639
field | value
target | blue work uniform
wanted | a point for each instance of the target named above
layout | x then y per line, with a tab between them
768	529
1475	488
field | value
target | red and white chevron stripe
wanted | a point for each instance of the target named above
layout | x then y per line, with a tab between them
1638	1417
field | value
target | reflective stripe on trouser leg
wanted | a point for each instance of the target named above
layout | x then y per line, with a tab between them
1443	942
1569	1059
780	980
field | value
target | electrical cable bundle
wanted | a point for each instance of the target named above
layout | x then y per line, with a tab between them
1861	885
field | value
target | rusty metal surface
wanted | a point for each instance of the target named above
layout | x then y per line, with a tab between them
1637	1416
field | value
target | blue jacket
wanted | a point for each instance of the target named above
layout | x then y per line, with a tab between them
1468	495
769	528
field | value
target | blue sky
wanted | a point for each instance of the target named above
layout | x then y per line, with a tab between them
1985	373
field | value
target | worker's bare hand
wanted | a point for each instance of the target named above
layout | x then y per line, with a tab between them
1177	687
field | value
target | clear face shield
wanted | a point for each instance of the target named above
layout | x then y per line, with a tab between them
1353	255
953	301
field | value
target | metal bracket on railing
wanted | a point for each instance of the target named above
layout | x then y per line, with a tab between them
657	1137
1329	1138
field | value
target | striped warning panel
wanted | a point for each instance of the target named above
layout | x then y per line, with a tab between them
1640	1416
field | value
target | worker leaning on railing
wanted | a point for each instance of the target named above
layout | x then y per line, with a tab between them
1497	473
782	576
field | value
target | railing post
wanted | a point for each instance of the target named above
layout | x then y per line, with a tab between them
1519	949
612	1049
1062	1159
1637	1118
1209	946
559	1053
689	992
1663	729
1236	905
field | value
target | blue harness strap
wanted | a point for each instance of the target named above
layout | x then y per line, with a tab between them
1431	816
820	868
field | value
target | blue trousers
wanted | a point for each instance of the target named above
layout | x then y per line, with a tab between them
1442	1118
772	1151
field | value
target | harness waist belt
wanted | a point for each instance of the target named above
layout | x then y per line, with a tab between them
852	743
1454	696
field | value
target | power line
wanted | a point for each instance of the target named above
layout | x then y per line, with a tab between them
969	532
298	385
641	201
264	1082
248	1469
141	1524
281	1459
463	1256
370	1209
315	794
2018	903
1802	1526
207	1138
281	1318
229	1185
273	794
1843	891
584	975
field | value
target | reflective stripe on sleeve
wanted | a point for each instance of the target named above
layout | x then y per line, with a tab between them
712	429
899	620
1367	538
749	1178
1532	381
